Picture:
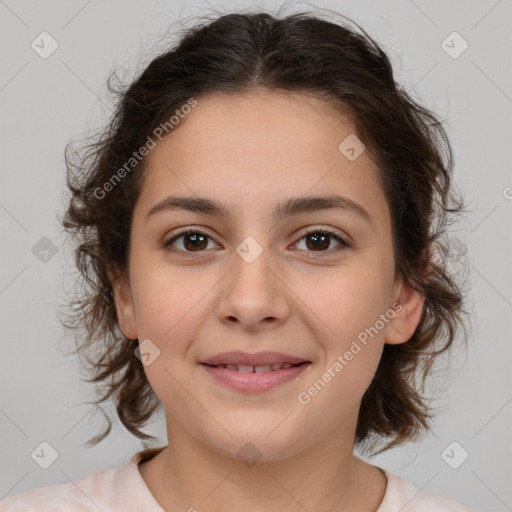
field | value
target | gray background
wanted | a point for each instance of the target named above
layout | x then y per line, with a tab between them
45	103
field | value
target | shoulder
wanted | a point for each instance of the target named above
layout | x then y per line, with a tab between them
83	495
404	496
45	499
118	489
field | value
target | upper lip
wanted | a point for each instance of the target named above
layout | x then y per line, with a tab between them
255	359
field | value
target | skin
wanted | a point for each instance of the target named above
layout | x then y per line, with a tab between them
251	152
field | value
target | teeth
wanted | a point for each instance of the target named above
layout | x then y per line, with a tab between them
247	368
262	369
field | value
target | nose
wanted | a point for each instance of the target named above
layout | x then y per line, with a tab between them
253	294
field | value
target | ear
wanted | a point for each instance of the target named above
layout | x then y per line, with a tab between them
124	304
407	317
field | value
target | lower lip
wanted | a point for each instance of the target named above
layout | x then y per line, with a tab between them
243	381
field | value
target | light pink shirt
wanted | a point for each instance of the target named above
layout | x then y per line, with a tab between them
123	489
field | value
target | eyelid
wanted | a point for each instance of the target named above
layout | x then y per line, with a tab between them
322	228
185	231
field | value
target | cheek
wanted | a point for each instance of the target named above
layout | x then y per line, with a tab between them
167	303
347	303
347	322
349	313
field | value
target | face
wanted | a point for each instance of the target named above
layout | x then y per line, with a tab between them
309	283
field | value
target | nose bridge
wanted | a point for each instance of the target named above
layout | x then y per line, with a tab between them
252	291
251	263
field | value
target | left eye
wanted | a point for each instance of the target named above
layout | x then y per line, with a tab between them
319	239
196	241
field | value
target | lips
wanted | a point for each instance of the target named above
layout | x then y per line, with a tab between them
254	373
255	362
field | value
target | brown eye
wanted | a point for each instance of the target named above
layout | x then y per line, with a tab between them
317	240
193	241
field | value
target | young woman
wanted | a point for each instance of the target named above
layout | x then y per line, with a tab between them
259	231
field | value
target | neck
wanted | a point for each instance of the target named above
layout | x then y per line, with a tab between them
189	475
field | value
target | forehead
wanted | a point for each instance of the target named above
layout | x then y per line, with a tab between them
253	149
290	125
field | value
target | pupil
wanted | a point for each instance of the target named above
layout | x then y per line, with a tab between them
321	243
195	237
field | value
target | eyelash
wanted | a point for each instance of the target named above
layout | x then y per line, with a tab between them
343	243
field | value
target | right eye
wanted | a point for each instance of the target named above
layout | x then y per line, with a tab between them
193	241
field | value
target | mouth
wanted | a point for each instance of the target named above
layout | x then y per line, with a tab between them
254	372
246	359
247	368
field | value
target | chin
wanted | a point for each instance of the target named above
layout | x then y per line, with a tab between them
255	445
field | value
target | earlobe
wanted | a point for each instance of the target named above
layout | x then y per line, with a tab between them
407	317
124	305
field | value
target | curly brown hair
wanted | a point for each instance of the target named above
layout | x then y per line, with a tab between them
237	53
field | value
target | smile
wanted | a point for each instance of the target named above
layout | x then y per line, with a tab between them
255	378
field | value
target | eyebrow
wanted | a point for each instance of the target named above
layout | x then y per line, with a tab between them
293	206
